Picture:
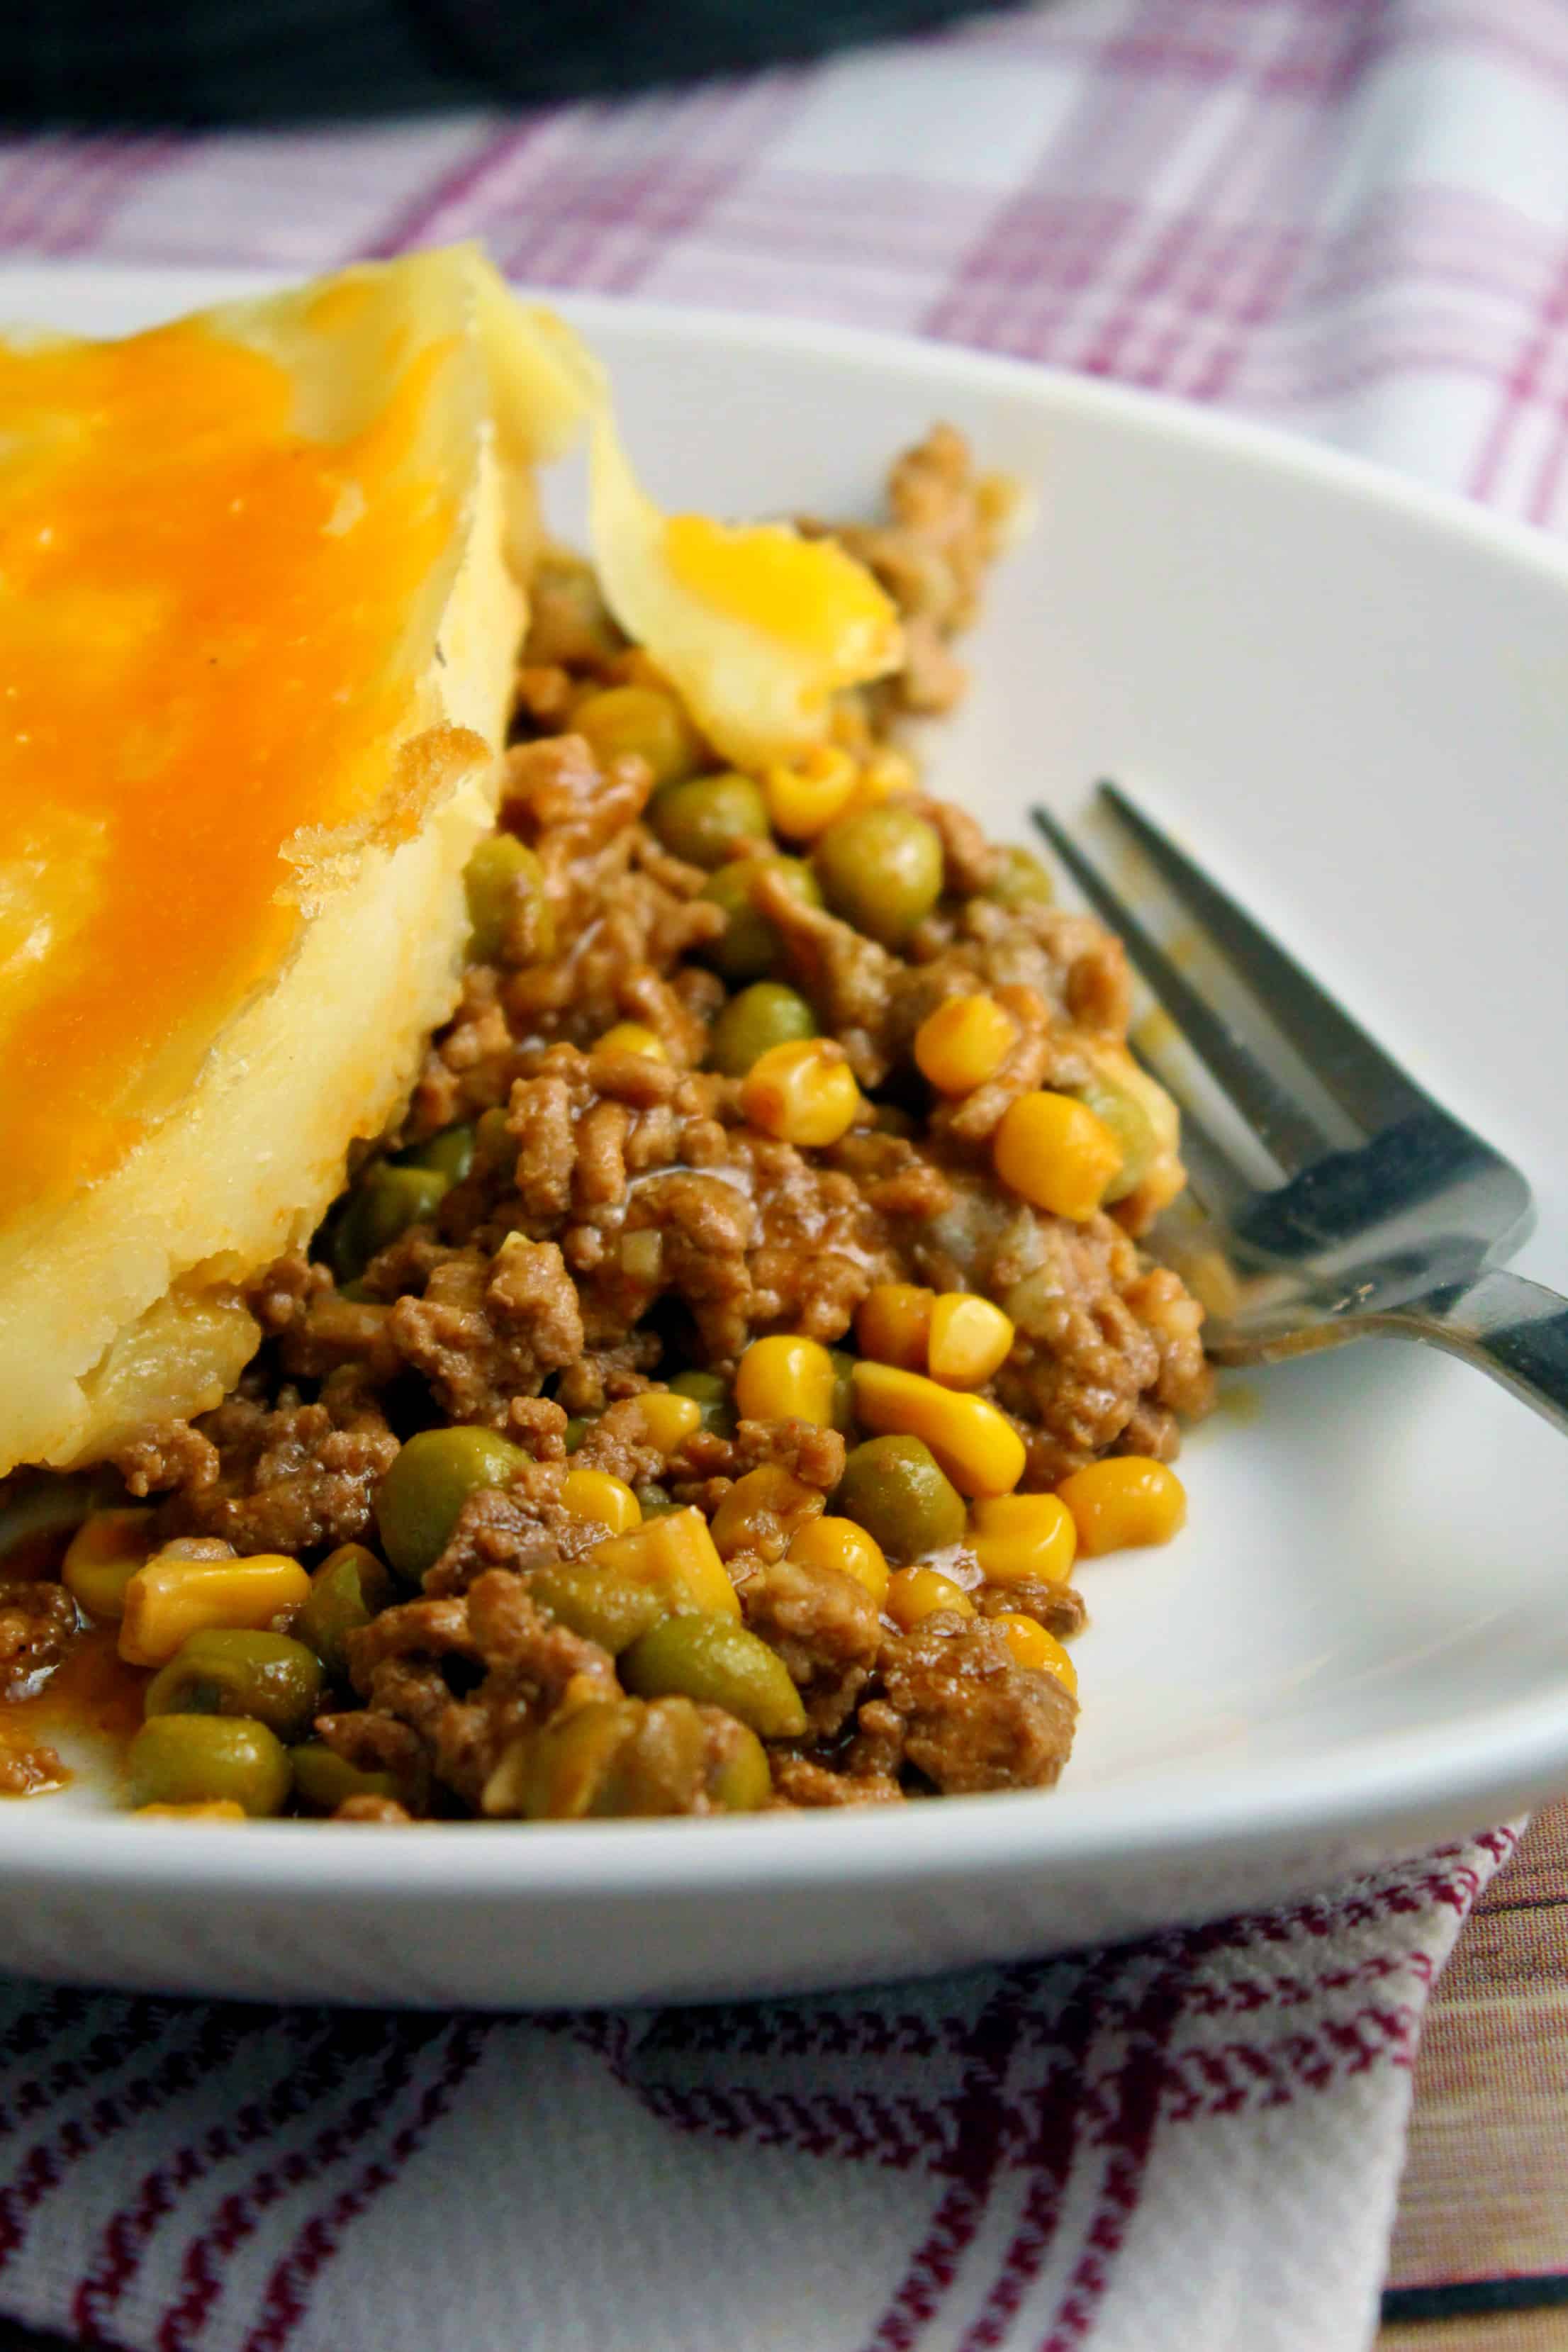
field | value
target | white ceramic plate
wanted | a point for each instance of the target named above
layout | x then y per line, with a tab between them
1350	695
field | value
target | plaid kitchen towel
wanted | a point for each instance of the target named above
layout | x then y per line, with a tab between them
1347	216
1186	2144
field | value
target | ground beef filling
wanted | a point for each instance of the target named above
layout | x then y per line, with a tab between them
612	1220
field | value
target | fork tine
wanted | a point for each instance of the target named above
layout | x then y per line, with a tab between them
1288	1131
1356	1072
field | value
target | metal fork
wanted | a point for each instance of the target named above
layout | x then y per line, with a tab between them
1341	1199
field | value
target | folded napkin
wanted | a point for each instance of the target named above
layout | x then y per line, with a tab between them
1353	218
1186	2144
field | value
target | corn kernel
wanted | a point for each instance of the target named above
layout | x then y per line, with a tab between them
884	773
1126	1500
1053	1150
676	1555
215	1808
970	1339
977	1447
786	1379
763	1512
1032	1646
893	1324
632	1037
805	797
104	1554
841	1544
802	1093
595	1495
964	1042
171	1599
1024	1539
668	1419
916	1592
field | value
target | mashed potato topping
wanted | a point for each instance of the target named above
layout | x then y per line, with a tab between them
261	592
255	631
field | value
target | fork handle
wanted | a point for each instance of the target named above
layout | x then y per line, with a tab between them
1514	1329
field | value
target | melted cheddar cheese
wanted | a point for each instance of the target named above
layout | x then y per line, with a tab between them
197	606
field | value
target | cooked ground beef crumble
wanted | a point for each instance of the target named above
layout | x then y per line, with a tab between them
593	1219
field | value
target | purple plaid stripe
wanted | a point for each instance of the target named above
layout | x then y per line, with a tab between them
1263	202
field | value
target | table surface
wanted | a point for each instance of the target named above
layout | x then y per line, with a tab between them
1480	2258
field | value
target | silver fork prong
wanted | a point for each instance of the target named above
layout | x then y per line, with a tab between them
1289	1132
1361	1078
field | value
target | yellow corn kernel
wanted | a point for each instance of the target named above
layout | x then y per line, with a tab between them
1126	1500
893	1324
1053	1150
802	1093
632	1037
676	1554
169	1599
1024	1539
215	1808
786	1379
1032	1646
884	773
105	1553
805	797
763	1512
668	1419
916	1592
964	1042
595	1495
980	1450
841	1544
970	1339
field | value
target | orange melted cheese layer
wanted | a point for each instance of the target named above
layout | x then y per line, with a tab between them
200	612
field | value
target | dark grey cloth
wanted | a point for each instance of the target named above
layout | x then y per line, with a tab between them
217	62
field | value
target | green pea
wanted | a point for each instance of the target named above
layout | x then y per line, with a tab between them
654	1500
767	1014
576	1430
324	1780
739	1780
383	1203
509	913
203	1759
712	1394
419	1500
450	1153
620	1758
1020	880
1129	1123
750	946
569	622
662	1766
706	818
638	721
227	1670
347	1591
494	1143
892	1487
843	1413
716	1662
880	869
610	1610
568	1762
